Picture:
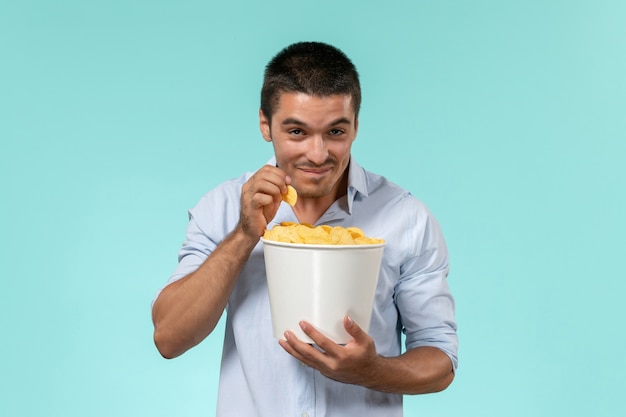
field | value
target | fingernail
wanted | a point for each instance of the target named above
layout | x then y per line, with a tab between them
350	322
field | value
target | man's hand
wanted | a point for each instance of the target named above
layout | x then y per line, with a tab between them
354	363
188	309
420	370
261	196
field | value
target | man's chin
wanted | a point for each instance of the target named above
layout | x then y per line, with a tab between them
313	191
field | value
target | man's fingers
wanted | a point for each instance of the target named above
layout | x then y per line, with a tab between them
326	344
300	350
353	329
261	196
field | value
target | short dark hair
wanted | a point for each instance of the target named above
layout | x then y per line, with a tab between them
313	68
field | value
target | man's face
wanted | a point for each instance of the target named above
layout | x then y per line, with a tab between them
312	138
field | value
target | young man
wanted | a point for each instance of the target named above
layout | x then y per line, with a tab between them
309	112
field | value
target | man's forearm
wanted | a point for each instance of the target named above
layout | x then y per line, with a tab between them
188	310
418	371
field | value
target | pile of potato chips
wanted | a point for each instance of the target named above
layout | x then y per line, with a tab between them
290	232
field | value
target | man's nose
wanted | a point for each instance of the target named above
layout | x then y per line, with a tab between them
317	152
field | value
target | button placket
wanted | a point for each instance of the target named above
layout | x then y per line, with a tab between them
306	391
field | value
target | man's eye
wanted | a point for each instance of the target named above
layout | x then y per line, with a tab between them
295	132
335	132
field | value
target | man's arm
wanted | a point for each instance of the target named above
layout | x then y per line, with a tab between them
418	371
187	310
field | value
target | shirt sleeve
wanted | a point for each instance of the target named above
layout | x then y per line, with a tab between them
422	295
213	217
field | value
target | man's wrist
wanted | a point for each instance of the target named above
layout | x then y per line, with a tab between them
240	236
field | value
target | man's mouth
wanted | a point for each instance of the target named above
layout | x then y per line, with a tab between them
316	171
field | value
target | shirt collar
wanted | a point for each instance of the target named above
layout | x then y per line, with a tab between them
357	181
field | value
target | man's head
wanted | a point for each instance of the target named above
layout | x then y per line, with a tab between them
309	112
314	68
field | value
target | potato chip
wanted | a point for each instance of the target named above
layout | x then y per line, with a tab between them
340	236
313	235
291	196
355	232
291	232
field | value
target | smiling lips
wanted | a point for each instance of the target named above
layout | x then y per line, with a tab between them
316	170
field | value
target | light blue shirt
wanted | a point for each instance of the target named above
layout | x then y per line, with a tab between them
258	378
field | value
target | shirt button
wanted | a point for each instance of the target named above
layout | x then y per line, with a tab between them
305	414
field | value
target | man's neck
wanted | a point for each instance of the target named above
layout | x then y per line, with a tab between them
310	210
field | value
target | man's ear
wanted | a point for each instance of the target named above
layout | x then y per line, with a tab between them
264	125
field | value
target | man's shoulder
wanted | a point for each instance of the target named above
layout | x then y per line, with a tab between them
235	183
222	198
229	186
381	187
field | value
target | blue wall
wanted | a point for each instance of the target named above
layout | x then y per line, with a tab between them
506	118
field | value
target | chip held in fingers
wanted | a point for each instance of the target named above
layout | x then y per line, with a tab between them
290	232
291	196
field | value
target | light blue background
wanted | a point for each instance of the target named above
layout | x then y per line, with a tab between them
507	118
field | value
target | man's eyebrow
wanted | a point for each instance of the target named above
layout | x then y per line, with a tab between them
293	121
341	121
